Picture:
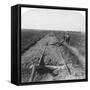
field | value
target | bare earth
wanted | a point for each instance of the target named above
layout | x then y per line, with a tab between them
69	62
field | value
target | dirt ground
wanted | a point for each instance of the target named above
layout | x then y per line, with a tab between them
68	58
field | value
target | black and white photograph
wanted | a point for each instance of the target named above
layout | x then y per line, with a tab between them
53	45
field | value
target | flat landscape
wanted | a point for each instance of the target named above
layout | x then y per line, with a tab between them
66	62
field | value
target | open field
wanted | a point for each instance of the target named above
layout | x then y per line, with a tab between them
30	37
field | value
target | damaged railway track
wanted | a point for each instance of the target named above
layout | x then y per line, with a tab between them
55	62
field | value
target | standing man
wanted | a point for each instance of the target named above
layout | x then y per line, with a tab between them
67	38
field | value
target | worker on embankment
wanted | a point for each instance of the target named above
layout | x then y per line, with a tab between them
67	38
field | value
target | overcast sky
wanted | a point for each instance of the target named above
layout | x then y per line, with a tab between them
51	19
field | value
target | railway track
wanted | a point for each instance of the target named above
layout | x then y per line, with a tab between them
42	67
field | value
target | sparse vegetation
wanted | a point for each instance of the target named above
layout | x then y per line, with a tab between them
53	55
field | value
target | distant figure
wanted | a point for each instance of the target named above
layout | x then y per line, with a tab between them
67	38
